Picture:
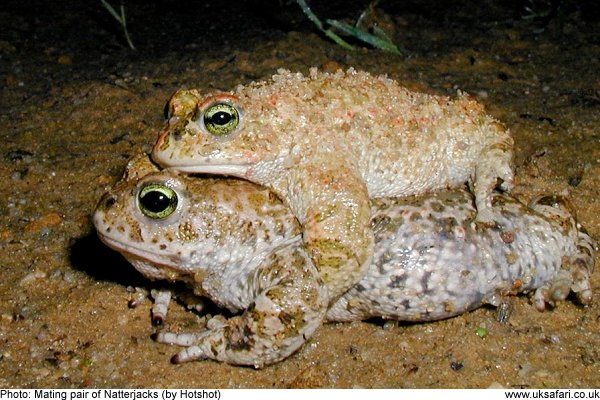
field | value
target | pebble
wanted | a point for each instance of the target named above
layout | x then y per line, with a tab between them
390	324
48	220
525	370
64	59
6	234
32	276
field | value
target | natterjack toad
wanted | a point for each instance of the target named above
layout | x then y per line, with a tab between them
326	143
237	244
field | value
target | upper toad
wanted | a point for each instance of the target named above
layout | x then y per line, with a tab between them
325	143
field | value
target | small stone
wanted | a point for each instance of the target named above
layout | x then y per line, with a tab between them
390	324
456	366
104	180
331	66
11	81
525	370
482	94
6	234
6	318
48	220
64	60
17	176
32	276
554	338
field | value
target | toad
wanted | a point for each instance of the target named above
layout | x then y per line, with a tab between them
238	245
326	143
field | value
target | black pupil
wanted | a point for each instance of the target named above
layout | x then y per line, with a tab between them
220	118
155	201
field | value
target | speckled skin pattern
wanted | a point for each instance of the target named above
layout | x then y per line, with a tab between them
327	142
238	245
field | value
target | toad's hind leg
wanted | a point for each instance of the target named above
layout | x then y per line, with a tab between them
578	264
582	265
335	214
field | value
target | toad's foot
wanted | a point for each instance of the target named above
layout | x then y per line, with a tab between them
289	305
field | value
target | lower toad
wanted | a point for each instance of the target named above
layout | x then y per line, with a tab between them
237	244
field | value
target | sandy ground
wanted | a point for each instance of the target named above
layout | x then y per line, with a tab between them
76	103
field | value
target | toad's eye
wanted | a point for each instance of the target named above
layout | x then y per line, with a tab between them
157	201
221	119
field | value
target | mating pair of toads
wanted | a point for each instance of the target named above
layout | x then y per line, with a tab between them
361	212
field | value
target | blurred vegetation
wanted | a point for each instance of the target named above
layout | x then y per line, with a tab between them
121	19
372	35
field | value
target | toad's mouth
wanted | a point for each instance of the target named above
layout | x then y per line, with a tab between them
240	170
134	252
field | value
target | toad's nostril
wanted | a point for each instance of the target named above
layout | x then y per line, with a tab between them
110	201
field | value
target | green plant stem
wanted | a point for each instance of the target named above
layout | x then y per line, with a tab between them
328	32
121	19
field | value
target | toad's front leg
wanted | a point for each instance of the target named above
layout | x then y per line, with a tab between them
494	169
289	305
332	204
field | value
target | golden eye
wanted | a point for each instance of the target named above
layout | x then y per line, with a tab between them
221	119
157	201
